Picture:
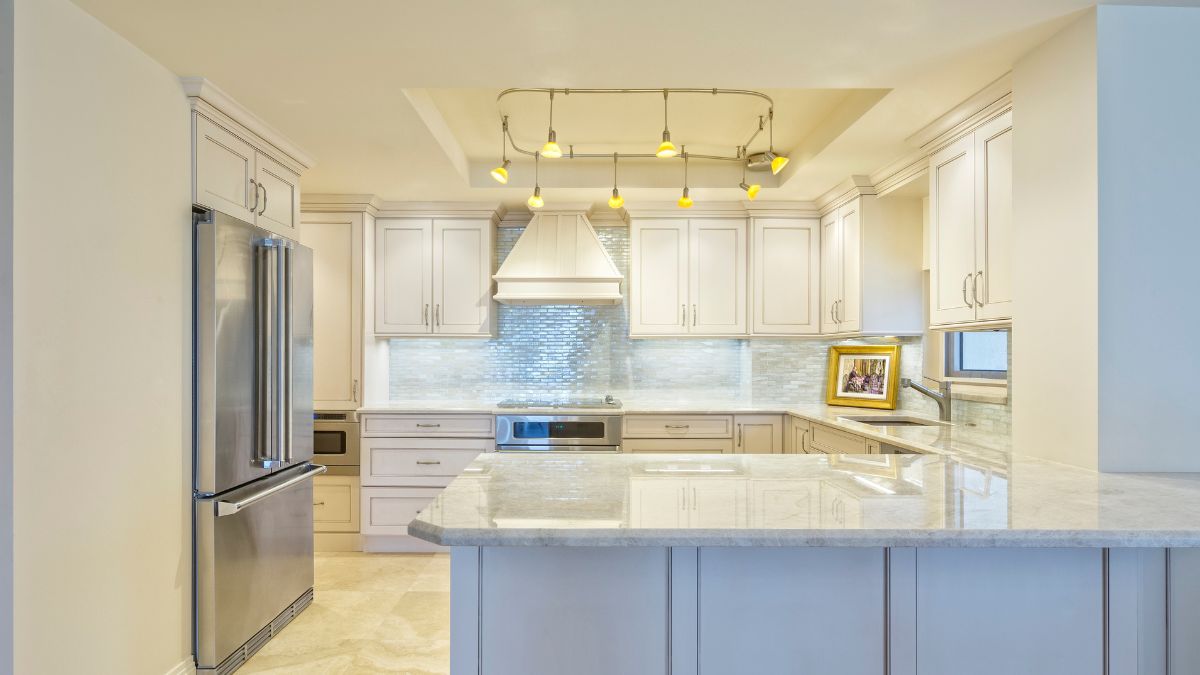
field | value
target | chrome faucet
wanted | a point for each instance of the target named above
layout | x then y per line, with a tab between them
941	396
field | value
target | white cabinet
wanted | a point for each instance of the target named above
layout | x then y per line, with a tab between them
433	276
758	434
335	503
970	218
796	436
688	502
871	280
336	240
785	276
279	187
223	176
688	276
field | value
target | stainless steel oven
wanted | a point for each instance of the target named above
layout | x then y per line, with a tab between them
558	433
336	439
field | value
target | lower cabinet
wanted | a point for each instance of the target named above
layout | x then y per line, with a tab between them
833	441
699	445
389	510
743	434
796	435
688	502
758	434
335	504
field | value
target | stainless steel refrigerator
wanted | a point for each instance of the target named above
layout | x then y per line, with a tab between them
252	521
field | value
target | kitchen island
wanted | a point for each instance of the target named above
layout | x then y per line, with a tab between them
839	564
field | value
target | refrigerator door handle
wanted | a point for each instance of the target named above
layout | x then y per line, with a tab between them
265	364
228	508
285	353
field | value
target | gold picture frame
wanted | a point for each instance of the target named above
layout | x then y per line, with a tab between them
864	376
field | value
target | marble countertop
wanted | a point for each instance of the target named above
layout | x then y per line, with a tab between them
806	500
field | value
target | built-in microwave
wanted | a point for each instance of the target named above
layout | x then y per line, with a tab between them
335	438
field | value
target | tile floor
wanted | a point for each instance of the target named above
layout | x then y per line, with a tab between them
371	613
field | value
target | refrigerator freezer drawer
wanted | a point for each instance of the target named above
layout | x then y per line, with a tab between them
251	564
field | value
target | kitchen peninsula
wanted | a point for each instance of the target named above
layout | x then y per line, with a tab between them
848	564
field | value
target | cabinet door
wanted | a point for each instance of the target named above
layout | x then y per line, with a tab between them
718	277
758	434
335	504
849	310
993	218
785	503
952	224
462	276
716	502
336	242
786	276
403	278
224	170
658	502
279	190
658	289
831	271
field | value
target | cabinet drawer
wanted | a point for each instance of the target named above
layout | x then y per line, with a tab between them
678	426
390	510
702	445
335	504
467	426
418	461
829	440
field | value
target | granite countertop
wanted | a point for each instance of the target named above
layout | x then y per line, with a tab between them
806	500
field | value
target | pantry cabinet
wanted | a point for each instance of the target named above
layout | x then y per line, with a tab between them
433	276
970	219
785	276
240	165
336	240
688	277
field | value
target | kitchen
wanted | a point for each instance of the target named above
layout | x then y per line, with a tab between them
845	354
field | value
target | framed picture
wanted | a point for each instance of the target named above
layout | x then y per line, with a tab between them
864	376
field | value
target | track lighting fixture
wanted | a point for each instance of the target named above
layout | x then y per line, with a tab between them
500	173
666	149
751	190
616	201
777	161
685	200
535	200
551	150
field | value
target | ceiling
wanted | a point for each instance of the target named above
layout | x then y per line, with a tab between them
398	99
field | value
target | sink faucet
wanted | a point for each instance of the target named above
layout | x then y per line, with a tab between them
941	396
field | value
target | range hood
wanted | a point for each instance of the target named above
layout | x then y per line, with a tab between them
558	261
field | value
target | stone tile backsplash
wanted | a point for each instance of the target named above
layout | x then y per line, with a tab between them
561	350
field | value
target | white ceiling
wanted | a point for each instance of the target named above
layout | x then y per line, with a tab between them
397	98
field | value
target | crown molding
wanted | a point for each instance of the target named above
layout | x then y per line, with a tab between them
202	89
903	171
493	210
328	203
984	104
851	188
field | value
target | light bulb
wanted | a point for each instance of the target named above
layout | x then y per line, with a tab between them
777	163
751	190
551	150
666	149
685	201
535	200
616	201
500	173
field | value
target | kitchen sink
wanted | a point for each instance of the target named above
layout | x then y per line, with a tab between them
894	421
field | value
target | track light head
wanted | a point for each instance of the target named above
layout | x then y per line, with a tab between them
751	190
535	200
500	173
685	200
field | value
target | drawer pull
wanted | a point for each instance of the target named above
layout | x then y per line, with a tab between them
428	461
678	426
318	503
427	426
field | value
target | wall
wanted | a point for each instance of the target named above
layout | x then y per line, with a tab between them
101	307
6	330
1054	343
1149	143
560	350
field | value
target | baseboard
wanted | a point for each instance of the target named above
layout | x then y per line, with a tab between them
184	667
400	544
337	542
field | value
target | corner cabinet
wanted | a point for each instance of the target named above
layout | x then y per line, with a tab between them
970	218
688	277
433	276
336	240
240	165
871	277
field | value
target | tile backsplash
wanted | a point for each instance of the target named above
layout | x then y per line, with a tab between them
572	349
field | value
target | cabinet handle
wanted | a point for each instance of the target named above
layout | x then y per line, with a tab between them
437	314
684	322
804	441
693	499
837	311
427	426
683	497
975	288
429	462
264	206
739	435
355	396
425	315
254	184
964	289
678	426
694	313
318	503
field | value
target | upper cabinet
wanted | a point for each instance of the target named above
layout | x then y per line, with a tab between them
871	267
336	240
786	286
240	165
688	276
970	218
433	276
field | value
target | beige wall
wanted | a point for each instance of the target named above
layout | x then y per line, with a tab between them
101	329
1054	338
6	361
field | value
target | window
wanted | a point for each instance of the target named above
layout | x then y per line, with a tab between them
977	354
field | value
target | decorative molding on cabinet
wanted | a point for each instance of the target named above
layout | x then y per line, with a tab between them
327	203
209	98
741	209
977	109
848	190
493	210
